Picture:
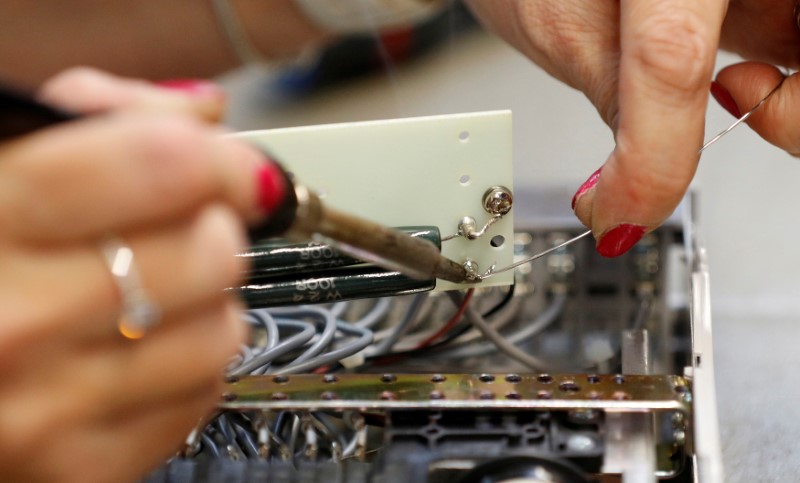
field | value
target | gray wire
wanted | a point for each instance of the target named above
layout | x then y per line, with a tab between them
375	314
544	320
412	314
328	332
503	345
307	331
350	448
494	271
365	338
273	336
339	308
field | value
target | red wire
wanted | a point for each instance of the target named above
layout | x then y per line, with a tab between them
455	319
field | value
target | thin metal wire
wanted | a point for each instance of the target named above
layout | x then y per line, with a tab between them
492	271
741	119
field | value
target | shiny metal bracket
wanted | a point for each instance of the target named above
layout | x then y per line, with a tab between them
563	392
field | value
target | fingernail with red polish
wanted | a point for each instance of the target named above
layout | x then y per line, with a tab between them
586	186
194	87
619	240
725	99
271	187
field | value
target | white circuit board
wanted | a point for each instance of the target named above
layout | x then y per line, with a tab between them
430	171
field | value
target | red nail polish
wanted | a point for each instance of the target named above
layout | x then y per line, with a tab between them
619	240
271	187
194	87
725	99
586	186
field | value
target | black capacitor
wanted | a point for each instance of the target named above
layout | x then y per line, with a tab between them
279	257
332	286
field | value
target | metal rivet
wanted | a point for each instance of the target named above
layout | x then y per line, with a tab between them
513	378
486	378
232	379
279	396
436	395
545	395
229	396
545	378
388	396
620	395
280	379
388	378
593	379
438	378
486	395
513	395
619	379
328	396
329	378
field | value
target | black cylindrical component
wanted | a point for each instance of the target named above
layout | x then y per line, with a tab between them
279	257
331	286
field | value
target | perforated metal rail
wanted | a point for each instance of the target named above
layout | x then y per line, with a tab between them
620	393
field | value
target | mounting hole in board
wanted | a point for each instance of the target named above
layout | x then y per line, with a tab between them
463	136
497	241
464	179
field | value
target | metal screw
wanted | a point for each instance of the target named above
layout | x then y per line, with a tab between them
498	200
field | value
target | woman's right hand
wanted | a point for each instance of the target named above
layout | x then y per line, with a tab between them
78	402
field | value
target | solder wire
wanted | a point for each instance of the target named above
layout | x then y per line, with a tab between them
492	271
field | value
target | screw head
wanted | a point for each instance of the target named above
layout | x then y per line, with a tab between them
498	200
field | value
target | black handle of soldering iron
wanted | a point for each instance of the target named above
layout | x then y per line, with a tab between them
21	114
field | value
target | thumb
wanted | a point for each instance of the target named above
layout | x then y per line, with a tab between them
668	50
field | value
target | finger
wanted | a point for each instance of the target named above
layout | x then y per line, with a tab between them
746	84
668	51
100	383
183	353
179	267
136	442
89	91
560	39
99	176
157	433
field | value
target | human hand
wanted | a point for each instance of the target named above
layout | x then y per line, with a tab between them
646	66
78	402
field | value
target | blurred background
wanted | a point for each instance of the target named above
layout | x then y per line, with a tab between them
746	194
